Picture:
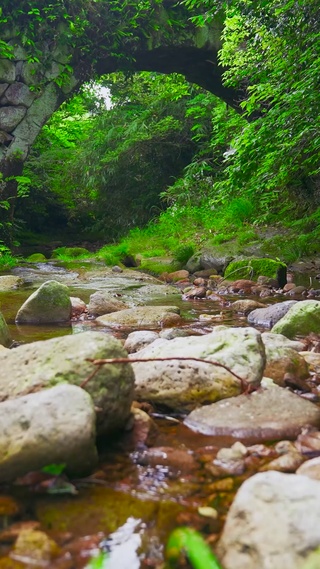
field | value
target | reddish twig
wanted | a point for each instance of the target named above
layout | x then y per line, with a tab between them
245	386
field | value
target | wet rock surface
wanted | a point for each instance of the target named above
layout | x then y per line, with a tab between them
40	365
142	317
270	413
183	385
268	316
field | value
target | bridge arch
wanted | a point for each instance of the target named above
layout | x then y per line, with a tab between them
31	90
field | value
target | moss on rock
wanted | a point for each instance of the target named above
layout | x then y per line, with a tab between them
36	258
253	268
302	319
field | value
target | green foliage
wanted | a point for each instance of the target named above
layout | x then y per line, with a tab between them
106	168
183	253
185	542
98	562
54	469
7	260
166	144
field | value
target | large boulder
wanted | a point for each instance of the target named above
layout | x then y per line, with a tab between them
5	338
52	426
184	384
39	365
270	413
302	319
273	523
50	303
267	317
142	317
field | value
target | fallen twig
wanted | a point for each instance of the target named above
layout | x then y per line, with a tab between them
245	386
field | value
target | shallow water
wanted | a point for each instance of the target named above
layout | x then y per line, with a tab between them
145	498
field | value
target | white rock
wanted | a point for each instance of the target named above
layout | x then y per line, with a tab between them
272	524
184	384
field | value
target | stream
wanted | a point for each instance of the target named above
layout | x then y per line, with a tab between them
138	494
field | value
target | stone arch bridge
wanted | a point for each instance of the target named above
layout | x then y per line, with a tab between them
31	91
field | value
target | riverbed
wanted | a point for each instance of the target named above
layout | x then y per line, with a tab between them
139	492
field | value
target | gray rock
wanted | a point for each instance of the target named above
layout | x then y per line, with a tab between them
209	260
31	72
171	333
52	426
104	302
10	117
273	523
18	94
141	317
270	413
267	317
7	71
50	303
10	282
139	339
3	87
31	367
39	112
194	263
302	319
5	338
282	358
183	385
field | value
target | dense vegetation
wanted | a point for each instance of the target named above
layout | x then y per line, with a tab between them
173	155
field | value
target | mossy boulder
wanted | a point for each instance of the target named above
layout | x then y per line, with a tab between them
254	267
4	332
71	252
40	365
302	319
37	258
50	303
